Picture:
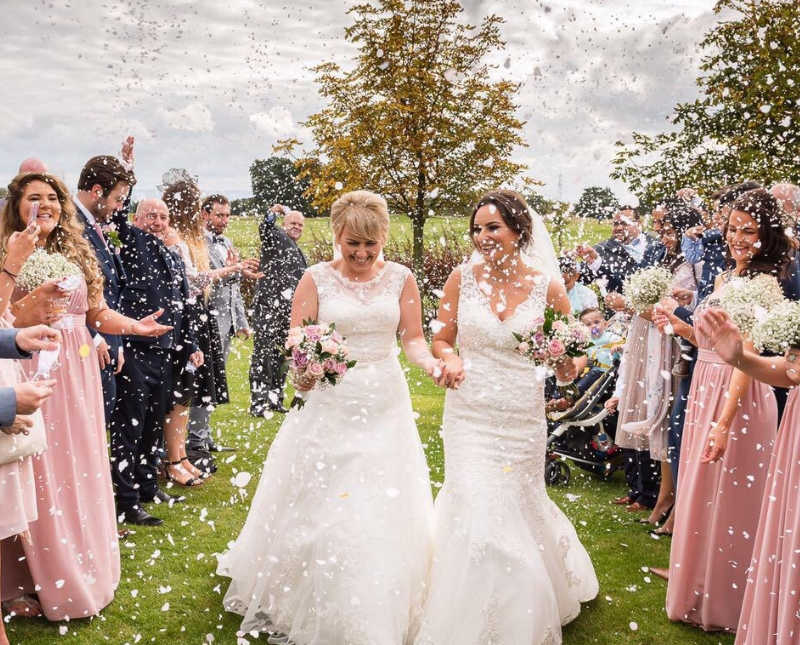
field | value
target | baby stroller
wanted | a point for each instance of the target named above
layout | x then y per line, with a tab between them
584	434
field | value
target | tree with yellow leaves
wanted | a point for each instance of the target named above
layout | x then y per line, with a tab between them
418	117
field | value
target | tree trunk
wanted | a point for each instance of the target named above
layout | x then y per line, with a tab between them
418	224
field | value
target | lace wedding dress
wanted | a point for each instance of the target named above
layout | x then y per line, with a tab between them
508	568
337	543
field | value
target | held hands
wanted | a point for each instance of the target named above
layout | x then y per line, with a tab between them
566	370
434	368
103	357
30	396
716	444
611	404
452	372
148	326
196	358
38	338
20	425
304	383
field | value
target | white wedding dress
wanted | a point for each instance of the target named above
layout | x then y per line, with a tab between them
337	543
508	568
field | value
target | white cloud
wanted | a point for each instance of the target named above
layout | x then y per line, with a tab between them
277	122
195	117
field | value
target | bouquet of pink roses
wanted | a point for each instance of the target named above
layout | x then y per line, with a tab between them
315	352
552	338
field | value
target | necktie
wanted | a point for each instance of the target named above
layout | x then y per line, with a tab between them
99	232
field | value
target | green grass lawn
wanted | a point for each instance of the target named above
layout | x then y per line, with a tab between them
169	592
244	231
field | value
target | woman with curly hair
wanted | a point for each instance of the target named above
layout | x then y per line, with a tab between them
72	559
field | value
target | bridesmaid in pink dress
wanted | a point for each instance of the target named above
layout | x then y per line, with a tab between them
730	426
770	610
72	560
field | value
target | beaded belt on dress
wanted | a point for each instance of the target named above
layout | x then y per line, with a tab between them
710	356
70	321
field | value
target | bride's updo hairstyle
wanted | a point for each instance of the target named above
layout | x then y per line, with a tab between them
512	208
364	214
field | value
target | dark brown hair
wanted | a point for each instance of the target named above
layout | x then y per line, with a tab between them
105	171
774	254
512	208
216	198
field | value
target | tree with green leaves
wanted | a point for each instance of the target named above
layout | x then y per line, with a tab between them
417	117
596	202
745	123
275	181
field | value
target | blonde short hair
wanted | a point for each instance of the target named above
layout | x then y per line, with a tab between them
363	213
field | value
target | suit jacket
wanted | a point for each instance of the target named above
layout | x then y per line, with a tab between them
618	264
156	279
8	397
113	276
225	299
282	263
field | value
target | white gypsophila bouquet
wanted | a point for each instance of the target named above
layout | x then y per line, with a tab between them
41	267
747	299
779	329
647	287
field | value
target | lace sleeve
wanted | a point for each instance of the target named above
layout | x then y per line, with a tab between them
198	280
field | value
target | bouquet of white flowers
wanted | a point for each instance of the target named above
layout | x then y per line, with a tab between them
779	329
41	267
647	287
747	299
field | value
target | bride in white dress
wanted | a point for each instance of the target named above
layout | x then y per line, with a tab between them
337	543
508	567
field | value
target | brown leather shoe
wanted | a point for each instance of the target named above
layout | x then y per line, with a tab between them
636	507
622	501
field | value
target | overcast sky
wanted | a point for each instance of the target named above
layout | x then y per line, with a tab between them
209	85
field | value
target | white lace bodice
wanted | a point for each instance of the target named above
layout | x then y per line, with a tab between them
486	344
366	313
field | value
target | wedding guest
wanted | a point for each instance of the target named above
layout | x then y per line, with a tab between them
103	187
789	197
283	264
155	279
72	560
225	303
207	386
19	404
728	434
580	296
769	611
628	250
32	164
642	395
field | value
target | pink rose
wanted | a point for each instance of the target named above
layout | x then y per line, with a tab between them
556	348
523	348
295	338
336	337
315	369
314	332
299	359
329	346
539	338
559	325
341	368
329	366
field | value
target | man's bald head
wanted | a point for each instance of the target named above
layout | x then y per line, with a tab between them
789	197
293	223
152	216
32	164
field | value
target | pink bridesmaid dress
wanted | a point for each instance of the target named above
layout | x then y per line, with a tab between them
72	561
718	504
770	614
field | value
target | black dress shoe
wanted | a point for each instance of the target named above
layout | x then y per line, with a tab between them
278	408
215	447
202	459
161	497
139	516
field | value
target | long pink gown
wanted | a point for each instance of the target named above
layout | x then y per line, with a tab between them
73	557
770	614
718	504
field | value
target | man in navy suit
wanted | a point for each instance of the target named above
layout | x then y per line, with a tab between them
103	187
155	281
627	250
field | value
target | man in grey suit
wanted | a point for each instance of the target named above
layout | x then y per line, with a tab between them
225	302
24	398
